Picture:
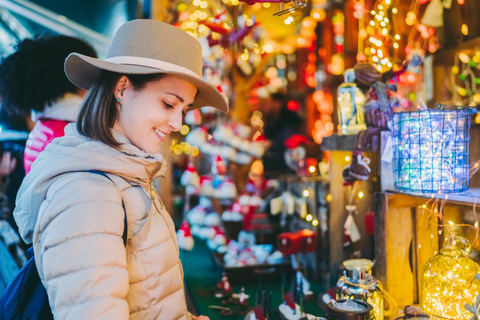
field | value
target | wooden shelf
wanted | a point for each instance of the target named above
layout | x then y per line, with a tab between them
468	197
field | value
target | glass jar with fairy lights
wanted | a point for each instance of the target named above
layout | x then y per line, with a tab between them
350	105
448	279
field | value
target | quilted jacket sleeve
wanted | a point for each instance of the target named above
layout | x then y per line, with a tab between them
79	248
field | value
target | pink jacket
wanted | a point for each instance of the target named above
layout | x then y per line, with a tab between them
50	124
43	133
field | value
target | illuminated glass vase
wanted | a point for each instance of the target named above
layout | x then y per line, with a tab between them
431	149
448	279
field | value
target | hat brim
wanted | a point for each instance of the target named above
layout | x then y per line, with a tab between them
83	71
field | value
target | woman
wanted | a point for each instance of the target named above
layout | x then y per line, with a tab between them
136	97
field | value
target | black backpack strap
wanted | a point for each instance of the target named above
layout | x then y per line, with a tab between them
125	225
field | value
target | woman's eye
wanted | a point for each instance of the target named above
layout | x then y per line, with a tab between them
168	106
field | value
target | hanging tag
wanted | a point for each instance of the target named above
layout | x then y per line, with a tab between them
387	155
288	202
301	207
351	226
276	205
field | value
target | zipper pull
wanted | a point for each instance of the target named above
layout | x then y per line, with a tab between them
152	191
152	195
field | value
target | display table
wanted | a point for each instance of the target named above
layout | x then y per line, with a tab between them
201	276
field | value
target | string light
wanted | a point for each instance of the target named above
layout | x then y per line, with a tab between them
347	158
309	217
306	193
315	222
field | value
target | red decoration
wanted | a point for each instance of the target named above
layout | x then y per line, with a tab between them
289	243
308	240
293	105
295	140
370	223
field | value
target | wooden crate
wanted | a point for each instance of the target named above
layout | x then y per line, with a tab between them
407	235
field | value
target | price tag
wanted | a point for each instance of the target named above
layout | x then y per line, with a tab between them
351	226
387	155
276	205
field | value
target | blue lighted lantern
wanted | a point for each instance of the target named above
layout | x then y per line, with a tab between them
431	149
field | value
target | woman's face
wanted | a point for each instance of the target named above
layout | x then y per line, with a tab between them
148	115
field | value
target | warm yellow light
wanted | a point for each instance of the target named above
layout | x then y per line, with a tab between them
395	45
266	5
306	193
315	222
394	10
372	23
204	4
347	158
244	56
309	217
195	151
465	29
318	14
311	169
464	57
360	195
185	130
411	17
329	197
448	279
268	48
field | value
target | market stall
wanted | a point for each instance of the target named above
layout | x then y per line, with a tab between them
343	182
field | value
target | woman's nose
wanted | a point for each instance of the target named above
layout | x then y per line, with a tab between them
175	122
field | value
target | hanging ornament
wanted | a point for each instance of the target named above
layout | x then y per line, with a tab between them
433	16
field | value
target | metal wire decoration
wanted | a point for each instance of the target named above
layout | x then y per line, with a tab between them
295	5
431	149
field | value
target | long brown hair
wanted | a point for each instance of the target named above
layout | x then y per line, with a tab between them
99	112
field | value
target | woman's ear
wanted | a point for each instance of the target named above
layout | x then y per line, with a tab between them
120	87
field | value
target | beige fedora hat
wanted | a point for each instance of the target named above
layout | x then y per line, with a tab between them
145	47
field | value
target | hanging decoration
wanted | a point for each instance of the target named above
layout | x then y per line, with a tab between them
286	6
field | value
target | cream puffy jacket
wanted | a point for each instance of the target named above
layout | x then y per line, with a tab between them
75	221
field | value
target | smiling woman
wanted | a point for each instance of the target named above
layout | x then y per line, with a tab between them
146	117
75	219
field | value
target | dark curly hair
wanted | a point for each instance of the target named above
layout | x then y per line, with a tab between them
33	76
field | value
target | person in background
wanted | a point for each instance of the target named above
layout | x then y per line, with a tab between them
280	123
32	81
74	217
14	131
